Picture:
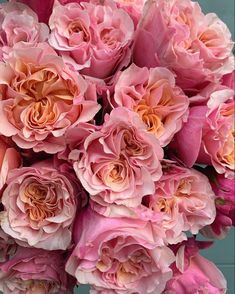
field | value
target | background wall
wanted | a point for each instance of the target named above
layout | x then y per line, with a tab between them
222	253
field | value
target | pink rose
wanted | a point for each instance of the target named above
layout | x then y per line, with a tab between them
18	23
208	136
161	105
185	199
119	255
93	37
9	159
35	271
194	274
120	162
40	204
224	190
176	34
41	98
43	11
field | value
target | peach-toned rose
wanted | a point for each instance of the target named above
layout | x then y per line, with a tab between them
118	255
35	271
161	105
41	98
9	159
40	203
18	23
208	136
176	34
120	162
95	37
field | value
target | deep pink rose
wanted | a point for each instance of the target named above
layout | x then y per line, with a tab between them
95	37
176	34
18	23
43	11
208	136
120	162
35	271
194	274
119	255
40	204
224	190
9	159
41	98
161	105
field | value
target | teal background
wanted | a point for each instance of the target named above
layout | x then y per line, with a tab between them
222	253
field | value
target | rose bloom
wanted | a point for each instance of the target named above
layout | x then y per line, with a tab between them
224	190
194	272
161	105
34	271
118	255
176	34
19	23
40	204
120	162
208	136
41	98
9	159
94	37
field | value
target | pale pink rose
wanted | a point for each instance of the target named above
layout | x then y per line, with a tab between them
195	274
35	271
176	34
41	98
18	23
120	162
43	11
185	199
229	80
208	136
161	105
9	159
95	37
224	190
7	246
40	204
119	255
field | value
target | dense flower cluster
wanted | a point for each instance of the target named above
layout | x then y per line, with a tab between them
116	146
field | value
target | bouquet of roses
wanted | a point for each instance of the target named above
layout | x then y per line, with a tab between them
116	146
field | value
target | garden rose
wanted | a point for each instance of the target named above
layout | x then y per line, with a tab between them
119	255
194	272
176	34
161	105
120	162
18	23
208	136
95	37
34	271
40	204
9	159
224	190
41	98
